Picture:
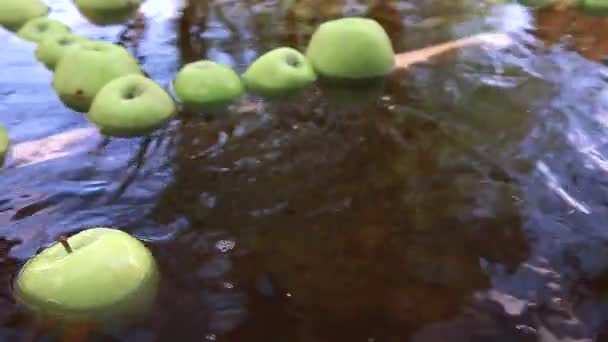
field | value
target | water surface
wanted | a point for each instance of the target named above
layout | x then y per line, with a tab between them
465	200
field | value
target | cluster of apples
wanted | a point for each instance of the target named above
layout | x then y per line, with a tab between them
94	77
344	49
103	274
104	81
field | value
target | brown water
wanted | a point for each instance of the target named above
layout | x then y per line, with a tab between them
467	200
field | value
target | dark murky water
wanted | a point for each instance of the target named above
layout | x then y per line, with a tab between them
465	201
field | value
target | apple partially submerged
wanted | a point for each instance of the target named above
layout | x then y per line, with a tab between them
594	7
51	49
82	72
97	275
206	85
538	4
38	29
279	71
15	13
4	143
132	105
107	12
351	48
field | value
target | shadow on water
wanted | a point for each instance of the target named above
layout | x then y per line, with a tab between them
463	200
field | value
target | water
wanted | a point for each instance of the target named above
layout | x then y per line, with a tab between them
464	201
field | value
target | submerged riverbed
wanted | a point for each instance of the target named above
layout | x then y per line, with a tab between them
466	200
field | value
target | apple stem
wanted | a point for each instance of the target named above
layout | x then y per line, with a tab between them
65	243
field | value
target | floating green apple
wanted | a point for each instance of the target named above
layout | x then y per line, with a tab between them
15	13
595	7
538	4
206	85
82	72
107	12
38	29
279	71
131	105
4	143
351	48
97	275
51	49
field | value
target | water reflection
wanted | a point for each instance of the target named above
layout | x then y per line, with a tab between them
461	200
361	248
374	216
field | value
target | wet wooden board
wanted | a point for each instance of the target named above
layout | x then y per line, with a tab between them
406	59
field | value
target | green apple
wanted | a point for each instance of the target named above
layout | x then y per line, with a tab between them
282	70
351	48
38	29
82	72
108	12
538	4
98	275
206	85
51	49
4	143
131	105
595	7
15	13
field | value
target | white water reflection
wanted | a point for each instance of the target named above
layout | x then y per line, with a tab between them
553	183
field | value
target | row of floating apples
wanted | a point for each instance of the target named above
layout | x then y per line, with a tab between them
199	85
104	80
105	275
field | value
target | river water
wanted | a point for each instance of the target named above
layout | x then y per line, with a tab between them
466	200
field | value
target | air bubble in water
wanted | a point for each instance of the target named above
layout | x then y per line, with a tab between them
225	245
